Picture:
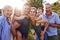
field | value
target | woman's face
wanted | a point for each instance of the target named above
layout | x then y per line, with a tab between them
26	9
32	12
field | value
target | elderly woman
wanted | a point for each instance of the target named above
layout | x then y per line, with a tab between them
5	23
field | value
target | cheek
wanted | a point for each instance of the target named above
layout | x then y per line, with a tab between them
40	11
31	13
18	14
26	10
47	9
8	14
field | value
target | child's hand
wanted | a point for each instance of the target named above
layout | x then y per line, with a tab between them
46	21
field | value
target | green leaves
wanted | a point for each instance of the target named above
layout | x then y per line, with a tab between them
36	3
56	8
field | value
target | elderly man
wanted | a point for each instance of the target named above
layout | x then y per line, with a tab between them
54	22
5	23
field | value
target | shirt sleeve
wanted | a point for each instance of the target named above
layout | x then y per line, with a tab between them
57	19
0	26
0	22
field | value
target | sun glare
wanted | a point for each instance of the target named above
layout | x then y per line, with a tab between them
14	3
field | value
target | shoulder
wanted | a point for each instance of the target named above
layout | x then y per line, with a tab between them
1	17
43	14
54	13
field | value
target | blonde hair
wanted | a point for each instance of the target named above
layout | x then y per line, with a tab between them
16	9
34	8
14	12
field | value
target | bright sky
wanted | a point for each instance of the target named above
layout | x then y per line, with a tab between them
50	1
18	3
14	3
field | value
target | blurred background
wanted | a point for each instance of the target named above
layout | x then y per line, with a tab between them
36	3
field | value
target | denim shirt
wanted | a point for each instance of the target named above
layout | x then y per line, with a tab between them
4	28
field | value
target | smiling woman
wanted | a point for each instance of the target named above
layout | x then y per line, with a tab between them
14	3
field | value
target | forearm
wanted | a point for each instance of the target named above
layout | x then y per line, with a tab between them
45	29
54	25
19	18
41	21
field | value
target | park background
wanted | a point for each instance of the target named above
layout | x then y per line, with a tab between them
34	3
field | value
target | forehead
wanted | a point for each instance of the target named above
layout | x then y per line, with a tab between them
33	9
7	8
27	6
16	10
48	6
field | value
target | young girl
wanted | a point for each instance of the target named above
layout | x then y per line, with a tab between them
17	16
36	22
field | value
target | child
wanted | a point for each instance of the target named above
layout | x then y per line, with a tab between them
17	16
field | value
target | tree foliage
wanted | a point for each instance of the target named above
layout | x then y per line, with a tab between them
35	3
56	7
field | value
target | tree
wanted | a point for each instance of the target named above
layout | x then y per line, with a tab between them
56	7
36	3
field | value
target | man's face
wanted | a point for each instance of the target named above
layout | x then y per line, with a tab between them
7	12
48	8
27	9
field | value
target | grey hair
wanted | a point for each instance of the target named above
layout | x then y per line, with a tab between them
48	4
7	6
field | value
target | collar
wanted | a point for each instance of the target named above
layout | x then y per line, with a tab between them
4	17
51	15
